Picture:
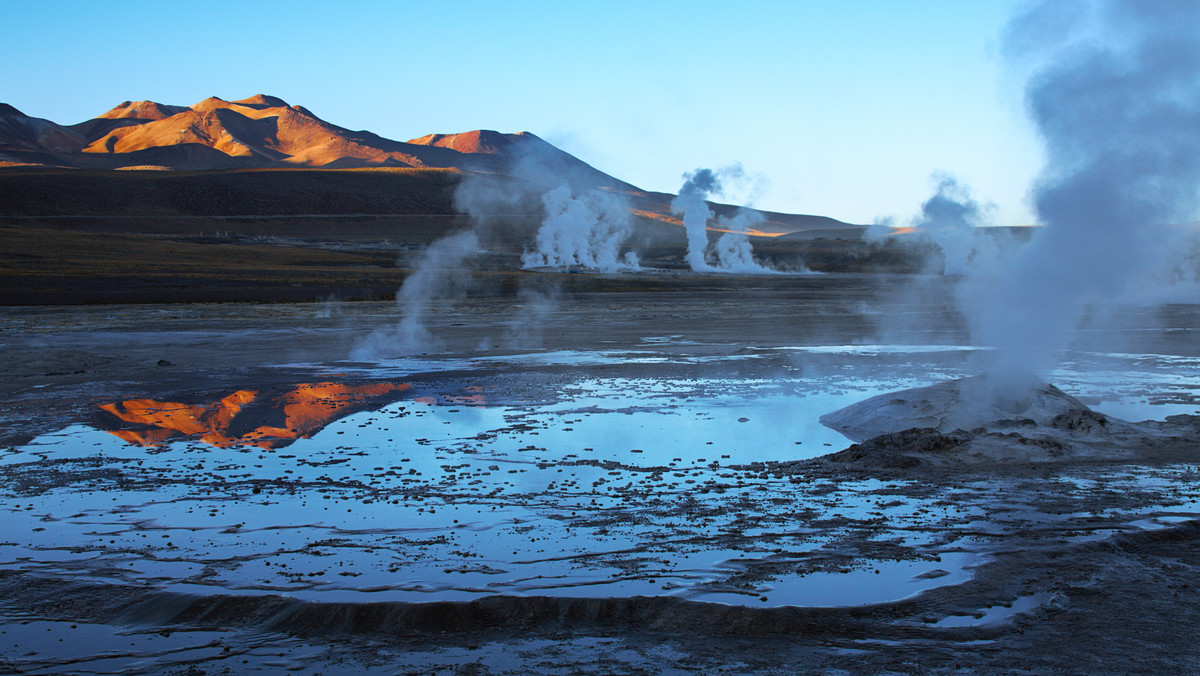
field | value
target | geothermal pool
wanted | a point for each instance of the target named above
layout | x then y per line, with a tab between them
639	467
578	483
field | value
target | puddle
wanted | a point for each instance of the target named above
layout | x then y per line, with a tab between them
860	585
1160	521
608	486
996	615
1133	387
33	645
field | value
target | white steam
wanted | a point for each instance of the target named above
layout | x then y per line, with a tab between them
692	203
1116	100
583	226
435	277
952	219
731	252
585	230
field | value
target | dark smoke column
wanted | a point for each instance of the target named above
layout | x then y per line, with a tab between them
1117	103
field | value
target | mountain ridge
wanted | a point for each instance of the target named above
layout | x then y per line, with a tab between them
261	131
265	132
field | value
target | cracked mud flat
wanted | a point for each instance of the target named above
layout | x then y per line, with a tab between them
216	488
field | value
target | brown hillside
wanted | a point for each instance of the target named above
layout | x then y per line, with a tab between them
21	135
142	110
484	141
263	101
265	132
258	131
127	114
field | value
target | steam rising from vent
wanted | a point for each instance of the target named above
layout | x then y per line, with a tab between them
525	328
433	278
585	230
691	202
732	251
583	226
950	218
1117	103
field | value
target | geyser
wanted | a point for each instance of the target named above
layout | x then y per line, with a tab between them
732	251
583	226
951	218
583	230
433	278
1115	96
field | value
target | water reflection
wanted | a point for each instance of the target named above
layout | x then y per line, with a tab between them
245	417
533	475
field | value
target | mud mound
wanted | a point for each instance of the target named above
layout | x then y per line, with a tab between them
964	423
966	403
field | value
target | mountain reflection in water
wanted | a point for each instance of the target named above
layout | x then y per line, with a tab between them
250	417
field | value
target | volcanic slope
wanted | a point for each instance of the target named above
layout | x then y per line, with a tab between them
213	181
26	140
264	132
258	132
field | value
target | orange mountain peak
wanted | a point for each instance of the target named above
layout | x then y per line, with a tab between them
480	141
142	110
211	103
263	101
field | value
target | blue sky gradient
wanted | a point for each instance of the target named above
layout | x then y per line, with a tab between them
839	109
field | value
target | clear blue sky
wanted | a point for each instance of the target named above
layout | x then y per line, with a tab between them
844	109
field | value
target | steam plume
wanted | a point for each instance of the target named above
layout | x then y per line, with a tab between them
1118	109
950	218
585	230
732	252
583	226
433	278
691	202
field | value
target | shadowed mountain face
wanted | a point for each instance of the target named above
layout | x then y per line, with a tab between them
32	140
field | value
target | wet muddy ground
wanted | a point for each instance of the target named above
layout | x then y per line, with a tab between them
578	485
